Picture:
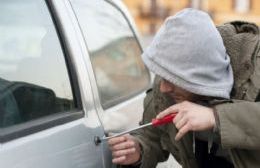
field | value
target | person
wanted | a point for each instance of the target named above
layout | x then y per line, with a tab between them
210	77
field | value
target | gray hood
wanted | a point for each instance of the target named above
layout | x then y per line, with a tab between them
189	52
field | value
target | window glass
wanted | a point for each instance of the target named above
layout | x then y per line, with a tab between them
34	81
114	51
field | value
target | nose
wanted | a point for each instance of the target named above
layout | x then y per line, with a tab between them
165	86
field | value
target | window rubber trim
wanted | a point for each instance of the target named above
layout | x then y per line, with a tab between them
33	126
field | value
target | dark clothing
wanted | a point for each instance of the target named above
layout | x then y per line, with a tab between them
209	160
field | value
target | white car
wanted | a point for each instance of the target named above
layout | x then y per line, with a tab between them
70	72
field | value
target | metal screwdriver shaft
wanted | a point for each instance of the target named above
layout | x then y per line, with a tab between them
155	122
125	132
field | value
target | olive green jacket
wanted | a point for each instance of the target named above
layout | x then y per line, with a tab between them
239	118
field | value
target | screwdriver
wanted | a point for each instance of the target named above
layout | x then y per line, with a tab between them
155	122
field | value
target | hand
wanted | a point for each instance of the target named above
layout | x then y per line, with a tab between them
125	150
190	117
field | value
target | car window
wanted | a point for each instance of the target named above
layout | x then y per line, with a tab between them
34	80
114	51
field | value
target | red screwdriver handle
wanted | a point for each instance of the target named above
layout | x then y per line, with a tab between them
165	120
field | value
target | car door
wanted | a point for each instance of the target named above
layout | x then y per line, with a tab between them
119	76
47	113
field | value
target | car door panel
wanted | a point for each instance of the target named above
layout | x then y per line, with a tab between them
69	145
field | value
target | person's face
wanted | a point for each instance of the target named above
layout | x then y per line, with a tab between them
178	94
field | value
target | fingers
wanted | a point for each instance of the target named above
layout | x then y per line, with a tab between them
119	160
182	132
120	157
120	143
120	153
123	145
178	117
171	109
125	150
180	122
116	140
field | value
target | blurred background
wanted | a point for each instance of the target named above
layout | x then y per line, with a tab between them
150	14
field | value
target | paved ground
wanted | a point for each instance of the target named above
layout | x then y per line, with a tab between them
171	163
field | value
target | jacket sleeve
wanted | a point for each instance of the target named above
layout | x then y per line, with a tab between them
239	124
149	137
